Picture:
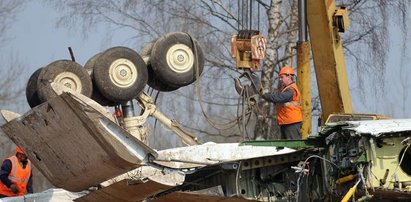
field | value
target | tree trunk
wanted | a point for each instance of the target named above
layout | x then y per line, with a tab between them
292	36
266	119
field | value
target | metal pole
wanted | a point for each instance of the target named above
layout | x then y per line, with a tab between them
303	69
131	123
128	109
302	19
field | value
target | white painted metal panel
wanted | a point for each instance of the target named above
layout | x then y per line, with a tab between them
212	153
378	127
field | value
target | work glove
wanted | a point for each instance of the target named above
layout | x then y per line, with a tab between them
266	96
14	189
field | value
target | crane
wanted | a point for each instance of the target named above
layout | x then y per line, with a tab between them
325	23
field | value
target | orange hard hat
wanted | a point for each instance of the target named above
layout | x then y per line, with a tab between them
286	70
19	150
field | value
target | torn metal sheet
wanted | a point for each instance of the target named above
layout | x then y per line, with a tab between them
212	191
194	197
379	127
212	153
135	186
172	178
74	143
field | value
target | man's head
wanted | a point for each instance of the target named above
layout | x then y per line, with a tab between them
20	154
286	75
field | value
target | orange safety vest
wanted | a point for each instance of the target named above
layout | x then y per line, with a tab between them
290	112
19	176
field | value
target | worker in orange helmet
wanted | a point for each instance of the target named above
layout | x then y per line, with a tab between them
288	105
15	175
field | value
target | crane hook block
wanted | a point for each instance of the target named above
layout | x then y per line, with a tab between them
248	48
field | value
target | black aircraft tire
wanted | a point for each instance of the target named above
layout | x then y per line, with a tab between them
67	73
174	59
96	95
32	95
153	80
120	74
155	83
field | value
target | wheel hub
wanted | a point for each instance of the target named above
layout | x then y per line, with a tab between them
180	58
69	80
123	73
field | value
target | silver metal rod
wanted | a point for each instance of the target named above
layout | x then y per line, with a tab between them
302	19
128	109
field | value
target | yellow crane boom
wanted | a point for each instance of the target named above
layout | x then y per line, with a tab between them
325	21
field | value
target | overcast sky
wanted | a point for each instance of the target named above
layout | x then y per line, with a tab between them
36	41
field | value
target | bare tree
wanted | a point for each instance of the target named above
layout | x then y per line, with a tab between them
8	10
367	43
213	22
11	70
11	89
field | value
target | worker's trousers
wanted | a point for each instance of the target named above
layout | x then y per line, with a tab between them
291	131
